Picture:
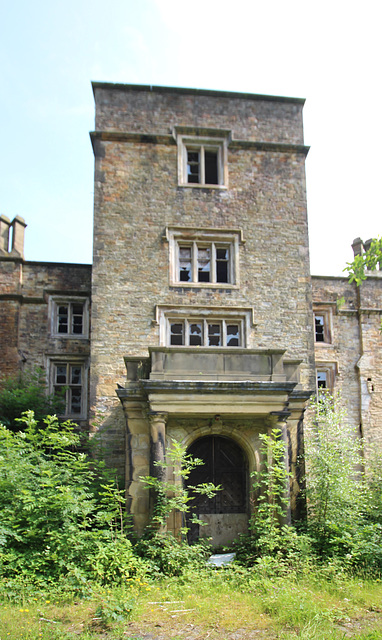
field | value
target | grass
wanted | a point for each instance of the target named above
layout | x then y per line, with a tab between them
226	604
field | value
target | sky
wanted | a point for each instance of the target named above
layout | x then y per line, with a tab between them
328	52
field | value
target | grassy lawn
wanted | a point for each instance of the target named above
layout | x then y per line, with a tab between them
228	604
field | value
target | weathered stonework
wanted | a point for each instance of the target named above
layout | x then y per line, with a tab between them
152	376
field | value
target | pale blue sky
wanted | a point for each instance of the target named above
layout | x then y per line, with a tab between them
328	52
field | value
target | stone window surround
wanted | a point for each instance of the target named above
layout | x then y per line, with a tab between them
69	360
194	139
327	314
330	369
232	238
166	313
55	302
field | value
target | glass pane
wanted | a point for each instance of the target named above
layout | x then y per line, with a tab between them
75	375
176	333
233	335
195	334
321	380
193	167
62	317
204	264
185	264
75	400
61	374
214	335
211	167
319	323
77	318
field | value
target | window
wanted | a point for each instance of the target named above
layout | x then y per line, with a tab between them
203	263
202	160
325	377
204	257
204	326
204	333
322	325
70	318
69	382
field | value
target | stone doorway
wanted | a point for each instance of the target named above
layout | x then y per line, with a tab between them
225	464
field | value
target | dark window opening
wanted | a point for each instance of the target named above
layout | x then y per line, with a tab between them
232	335
319	328
222	262
176	334
196	335
211	167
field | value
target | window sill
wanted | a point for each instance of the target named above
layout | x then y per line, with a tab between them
203	285
203	186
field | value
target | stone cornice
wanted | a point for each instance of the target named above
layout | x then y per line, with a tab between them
110	86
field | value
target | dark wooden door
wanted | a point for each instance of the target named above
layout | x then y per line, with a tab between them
225	465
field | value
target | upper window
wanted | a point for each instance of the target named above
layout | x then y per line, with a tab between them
186	326
202	161
70	318
194	332
322	325
204	257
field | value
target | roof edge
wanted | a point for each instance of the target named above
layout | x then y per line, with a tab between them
196	92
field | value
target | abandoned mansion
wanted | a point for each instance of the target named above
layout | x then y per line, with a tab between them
199	320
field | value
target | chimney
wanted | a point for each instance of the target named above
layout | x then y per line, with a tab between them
357	247
18	225
5	224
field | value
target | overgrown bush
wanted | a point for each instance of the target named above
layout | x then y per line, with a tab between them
61	516
344	503
27	392
171	557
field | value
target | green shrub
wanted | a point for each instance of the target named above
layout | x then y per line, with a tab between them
170	557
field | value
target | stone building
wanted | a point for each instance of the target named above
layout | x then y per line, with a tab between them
202	325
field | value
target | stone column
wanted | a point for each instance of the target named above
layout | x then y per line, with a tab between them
158	443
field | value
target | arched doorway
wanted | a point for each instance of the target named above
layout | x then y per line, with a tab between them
226	514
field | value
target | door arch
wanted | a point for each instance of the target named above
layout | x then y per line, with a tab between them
226	514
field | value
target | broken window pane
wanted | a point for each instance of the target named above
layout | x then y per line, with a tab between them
176	333
211	167
62	316
319	328
214	335
77	318
61	374
195	334
233	335
75	400
193	167
204	264
185	266
322	380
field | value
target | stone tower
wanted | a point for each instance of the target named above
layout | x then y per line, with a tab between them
201	293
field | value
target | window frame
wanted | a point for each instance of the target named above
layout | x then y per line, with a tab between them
184	237
326	314
205	323
69	363
56	303
330	371
167	315
217	142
